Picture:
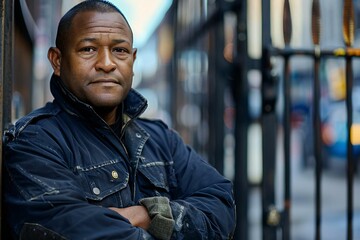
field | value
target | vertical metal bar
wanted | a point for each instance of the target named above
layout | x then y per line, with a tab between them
6	57
217	84
317	151
269	131
175	65
315	27
241	186
287	143
348	35
269	137
350	151
6	60
287	30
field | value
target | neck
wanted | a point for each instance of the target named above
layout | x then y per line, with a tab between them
108	116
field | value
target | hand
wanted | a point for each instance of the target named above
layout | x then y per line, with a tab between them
137	215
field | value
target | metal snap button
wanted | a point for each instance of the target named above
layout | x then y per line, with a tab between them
138	135
114	174
96	190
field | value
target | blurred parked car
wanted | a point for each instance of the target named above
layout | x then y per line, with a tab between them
334	133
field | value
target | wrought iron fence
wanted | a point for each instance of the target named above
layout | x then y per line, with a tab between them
276	222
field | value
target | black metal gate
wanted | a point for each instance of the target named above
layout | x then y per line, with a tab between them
276	222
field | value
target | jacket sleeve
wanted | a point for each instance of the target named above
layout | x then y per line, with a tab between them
43	196
204	206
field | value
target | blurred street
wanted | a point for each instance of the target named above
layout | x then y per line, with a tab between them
334	192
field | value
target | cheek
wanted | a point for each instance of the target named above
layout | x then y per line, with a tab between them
130	72
76	72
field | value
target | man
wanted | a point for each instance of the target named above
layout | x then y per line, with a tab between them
86	166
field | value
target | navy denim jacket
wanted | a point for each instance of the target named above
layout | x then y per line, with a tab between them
64	167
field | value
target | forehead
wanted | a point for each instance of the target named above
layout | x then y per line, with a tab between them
99	22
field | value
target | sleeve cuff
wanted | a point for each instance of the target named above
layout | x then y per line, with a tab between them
162	222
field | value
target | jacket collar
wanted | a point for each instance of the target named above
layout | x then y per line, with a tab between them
134	104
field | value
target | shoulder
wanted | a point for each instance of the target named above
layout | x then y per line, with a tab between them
161	132
153	123
33	118
156	127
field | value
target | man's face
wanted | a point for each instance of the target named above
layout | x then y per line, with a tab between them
97	61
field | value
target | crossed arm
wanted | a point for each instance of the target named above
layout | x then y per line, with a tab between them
137	215
50	195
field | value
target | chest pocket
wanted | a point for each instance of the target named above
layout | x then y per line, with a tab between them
159	178
103	180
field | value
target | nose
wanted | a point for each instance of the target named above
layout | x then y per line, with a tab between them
105	61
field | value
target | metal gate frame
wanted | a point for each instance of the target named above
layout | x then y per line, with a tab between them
6	74
276	223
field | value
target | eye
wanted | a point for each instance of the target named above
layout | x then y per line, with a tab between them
87	49
120	50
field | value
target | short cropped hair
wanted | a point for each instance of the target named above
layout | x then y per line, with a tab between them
102	6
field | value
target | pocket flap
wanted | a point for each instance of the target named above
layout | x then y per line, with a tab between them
100	181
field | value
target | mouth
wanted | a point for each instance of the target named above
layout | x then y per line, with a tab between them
105	81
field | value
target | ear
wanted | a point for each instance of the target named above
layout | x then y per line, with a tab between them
134	54
54	56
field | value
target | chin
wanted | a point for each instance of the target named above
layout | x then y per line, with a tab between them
108	100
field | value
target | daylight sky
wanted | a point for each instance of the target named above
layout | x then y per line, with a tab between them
143	16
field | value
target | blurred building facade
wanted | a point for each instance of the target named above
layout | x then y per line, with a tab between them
35	23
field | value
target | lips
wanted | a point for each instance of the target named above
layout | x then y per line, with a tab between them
105	81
